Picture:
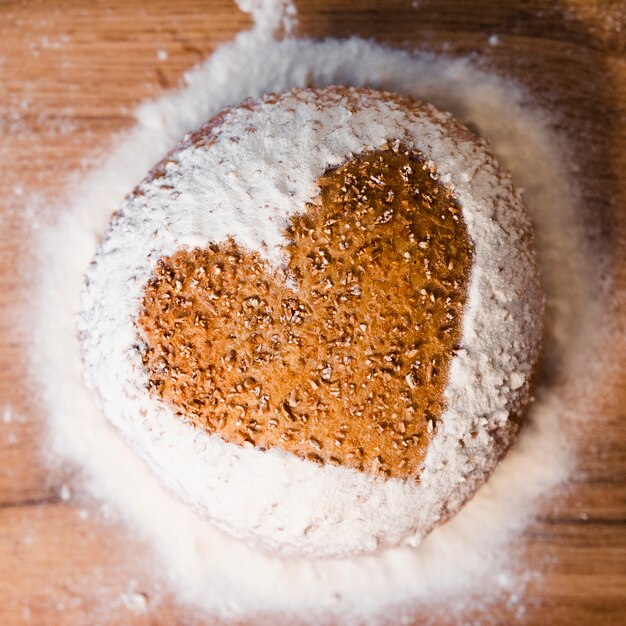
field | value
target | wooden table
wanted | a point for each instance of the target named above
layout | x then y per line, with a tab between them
70	74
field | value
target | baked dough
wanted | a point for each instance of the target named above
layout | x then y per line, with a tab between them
318	319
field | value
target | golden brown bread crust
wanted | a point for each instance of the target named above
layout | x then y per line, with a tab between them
350	366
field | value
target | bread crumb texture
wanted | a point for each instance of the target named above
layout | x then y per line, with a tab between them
341	356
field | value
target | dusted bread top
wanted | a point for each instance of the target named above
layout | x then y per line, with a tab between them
318	319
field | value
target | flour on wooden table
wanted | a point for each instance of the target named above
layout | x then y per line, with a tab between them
472	553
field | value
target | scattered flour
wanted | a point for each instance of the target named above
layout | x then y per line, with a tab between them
470	553
65	493
7	416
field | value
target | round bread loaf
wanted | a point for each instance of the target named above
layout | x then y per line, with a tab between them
318	319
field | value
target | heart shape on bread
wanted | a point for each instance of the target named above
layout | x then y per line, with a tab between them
342	354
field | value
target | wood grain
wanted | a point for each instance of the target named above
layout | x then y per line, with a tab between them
70	73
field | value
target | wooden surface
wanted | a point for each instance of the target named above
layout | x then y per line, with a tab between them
70	73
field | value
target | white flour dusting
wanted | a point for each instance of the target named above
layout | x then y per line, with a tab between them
214	572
